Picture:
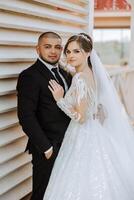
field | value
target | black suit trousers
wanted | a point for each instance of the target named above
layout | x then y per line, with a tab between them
42	168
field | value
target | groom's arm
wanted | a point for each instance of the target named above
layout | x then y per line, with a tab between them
28	94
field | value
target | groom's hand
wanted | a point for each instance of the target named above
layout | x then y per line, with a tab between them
101	114
49	153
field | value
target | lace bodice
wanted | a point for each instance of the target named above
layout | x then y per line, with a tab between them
79	101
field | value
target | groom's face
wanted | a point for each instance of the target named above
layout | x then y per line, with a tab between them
49	49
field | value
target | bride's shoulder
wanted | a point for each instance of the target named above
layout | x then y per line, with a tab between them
79	77
83	80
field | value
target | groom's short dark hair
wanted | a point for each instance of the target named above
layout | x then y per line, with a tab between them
49	34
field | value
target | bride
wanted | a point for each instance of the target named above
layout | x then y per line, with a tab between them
96	159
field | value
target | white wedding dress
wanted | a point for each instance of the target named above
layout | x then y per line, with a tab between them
93	163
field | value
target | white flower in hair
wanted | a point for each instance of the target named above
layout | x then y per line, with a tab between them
67	67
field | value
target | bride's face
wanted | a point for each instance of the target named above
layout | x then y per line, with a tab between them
75	55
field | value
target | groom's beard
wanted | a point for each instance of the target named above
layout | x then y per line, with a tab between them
51	63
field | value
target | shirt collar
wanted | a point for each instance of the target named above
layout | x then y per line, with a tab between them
49	66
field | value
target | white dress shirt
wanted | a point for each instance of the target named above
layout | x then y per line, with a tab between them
49	66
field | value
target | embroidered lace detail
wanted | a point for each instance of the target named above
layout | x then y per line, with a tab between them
81	94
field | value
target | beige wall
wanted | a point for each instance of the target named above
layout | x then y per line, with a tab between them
21	23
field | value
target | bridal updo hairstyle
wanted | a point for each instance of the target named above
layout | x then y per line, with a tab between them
85	42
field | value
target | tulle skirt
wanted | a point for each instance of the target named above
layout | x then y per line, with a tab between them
93	164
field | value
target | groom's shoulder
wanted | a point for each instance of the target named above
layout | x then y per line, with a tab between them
29	74
29	70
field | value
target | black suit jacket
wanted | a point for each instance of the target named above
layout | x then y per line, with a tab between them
38	114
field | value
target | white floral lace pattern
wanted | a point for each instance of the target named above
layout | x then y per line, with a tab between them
79	92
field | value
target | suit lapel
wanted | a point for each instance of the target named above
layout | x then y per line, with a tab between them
48	75
44	70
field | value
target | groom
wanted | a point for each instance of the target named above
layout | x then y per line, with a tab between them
40	118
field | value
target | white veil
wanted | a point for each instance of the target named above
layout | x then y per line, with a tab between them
117	120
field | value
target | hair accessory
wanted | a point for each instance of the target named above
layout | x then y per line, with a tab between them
85	37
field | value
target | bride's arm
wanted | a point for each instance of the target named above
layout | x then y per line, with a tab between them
76	112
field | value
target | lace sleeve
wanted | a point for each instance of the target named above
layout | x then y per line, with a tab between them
76	112
68	109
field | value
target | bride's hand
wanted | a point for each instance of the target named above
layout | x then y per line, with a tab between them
56	89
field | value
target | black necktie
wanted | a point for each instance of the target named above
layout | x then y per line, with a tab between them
59	79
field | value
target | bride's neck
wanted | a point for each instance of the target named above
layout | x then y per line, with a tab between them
83	68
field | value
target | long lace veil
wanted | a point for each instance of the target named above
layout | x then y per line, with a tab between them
117	120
